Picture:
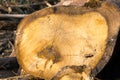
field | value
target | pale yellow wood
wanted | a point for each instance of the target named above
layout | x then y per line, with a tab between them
71	37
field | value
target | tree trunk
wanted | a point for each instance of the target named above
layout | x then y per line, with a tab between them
60	42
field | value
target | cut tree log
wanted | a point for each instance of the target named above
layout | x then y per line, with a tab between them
56	42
